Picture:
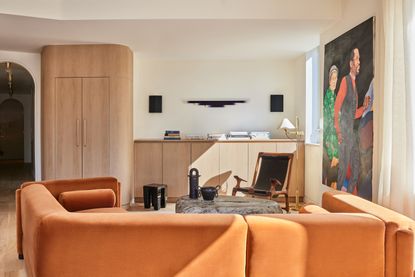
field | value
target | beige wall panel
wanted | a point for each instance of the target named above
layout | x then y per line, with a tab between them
68	128
205	157
95	127
233	161
121	135
176	161
254	149
148	165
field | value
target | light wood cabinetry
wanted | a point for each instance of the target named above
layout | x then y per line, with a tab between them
82	127
95	127
68	135
87	113
205	157
148	165
176	161
233	161
158	161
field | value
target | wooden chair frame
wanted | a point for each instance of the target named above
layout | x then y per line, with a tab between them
274	182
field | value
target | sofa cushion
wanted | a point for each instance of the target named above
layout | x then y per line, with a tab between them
87	199
104	210
313	209
321	245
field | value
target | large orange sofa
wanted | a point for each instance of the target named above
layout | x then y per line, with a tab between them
111	242
399	241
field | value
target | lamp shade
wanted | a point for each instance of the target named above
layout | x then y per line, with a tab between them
286	124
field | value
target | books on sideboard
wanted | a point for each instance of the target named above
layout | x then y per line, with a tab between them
172	135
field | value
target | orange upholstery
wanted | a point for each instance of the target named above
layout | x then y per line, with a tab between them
313	209
59	243
397	226
315	245
77	200
19	232
104	210
56	187
36	203
112	242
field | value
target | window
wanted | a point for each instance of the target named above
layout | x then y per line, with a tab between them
312	129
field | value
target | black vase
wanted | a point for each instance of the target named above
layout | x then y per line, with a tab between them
194	183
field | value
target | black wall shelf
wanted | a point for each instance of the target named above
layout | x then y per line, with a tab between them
216	103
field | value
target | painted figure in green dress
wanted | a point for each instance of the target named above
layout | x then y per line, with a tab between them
330	136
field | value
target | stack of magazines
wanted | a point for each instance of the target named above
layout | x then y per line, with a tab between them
171	135
217	136
238	136
260	135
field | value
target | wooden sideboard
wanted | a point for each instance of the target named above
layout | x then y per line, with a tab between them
168	162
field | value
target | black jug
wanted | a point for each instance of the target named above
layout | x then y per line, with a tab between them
194	183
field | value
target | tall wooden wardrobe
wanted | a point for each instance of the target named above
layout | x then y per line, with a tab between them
87	103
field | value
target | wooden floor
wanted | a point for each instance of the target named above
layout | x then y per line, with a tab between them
12	174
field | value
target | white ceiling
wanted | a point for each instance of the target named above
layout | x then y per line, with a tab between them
218	29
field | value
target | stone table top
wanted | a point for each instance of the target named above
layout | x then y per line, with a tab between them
227	205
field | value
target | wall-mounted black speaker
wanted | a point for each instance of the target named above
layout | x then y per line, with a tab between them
154	104
277	102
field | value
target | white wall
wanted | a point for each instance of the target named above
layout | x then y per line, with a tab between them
31	62
354	12
178	81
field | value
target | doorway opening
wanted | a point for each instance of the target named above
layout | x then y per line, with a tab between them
16	126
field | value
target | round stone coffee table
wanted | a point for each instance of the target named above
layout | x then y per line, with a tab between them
227	205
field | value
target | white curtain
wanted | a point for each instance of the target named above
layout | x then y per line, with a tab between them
396	187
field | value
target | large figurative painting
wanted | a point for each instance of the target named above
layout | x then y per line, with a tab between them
348	111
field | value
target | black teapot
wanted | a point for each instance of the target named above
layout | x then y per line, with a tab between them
209	193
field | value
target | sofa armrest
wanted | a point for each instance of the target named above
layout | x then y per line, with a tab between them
404	252
56	187
337	201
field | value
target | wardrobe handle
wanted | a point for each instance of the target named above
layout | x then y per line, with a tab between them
78	131
84	132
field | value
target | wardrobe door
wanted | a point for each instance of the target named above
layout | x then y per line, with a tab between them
95	126
68	97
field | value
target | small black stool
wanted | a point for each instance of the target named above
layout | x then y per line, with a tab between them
155	194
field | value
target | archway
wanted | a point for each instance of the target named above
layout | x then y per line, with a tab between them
11	130
16	125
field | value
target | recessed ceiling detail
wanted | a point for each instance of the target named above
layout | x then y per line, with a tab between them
165	29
